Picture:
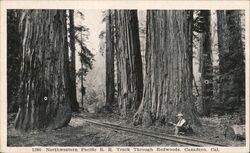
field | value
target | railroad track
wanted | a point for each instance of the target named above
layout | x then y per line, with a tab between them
166	137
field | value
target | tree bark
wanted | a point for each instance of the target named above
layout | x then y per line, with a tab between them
231	60
168	82
109	63
129	63
13	58
72	75
206	66
223	32
236	48
43	96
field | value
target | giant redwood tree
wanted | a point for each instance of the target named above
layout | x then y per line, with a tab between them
168	81
129	63
43	96
231	60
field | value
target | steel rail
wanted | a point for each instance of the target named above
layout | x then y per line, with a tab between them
178	139
144	133
168	135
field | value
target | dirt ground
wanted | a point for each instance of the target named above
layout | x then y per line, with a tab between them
80	133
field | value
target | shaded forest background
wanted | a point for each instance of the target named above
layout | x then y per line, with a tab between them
149	66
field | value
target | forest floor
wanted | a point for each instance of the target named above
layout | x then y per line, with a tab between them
81	133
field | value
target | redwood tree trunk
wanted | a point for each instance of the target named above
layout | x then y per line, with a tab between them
72	75
231	60
223	48
43	96
129	63
206	66
109	63
13	58
168	82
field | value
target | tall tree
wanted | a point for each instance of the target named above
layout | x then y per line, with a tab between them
206	66
13	58
168	81
43	97
129	63
109	62
85	54
72	70
231	60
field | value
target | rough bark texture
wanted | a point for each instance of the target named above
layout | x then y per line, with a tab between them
231	60
129	63
43	98
13	58
72	75
168	83
109	63
206	66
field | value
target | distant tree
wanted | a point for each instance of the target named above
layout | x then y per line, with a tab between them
168	81
72	66
129	62
142	34
231	60
86	59
102	35
110	84
13	58
86	56
43	97
102	43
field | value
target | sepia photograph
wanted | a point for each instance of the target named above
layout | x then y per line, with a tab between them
127	79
